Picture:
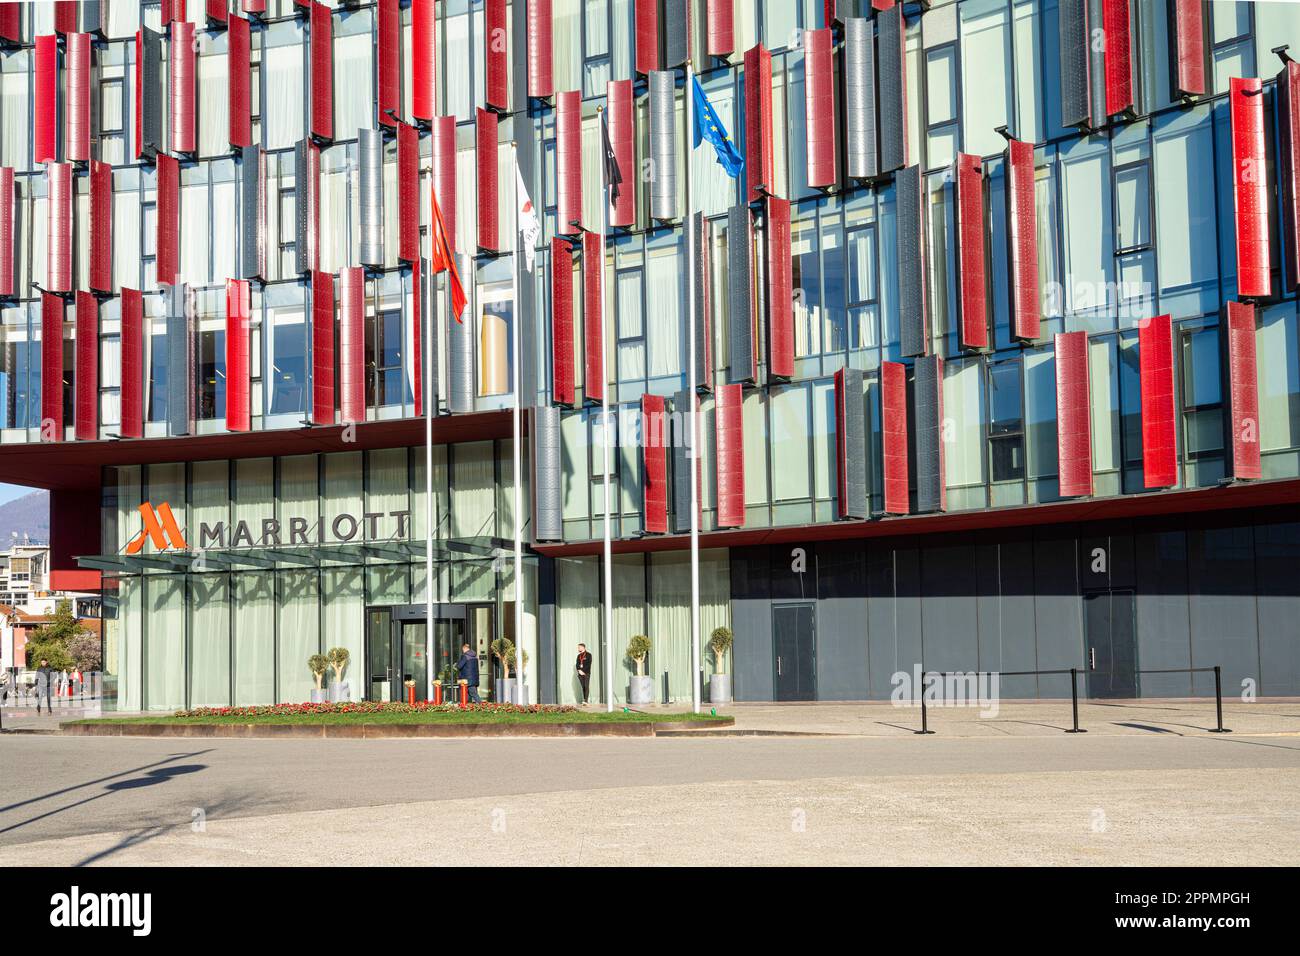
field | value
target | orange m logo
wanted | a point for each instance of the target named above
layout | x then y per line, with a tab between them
159	526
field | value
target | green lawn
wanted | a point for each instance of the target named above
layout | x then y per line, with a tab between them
424	717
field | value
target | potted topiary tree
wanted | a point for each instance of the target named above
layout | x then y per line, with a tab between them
641	688
518	687
317	664
338	658
720	682
503	688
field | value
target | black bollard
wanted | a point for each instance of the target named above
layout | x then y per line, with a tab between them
925	725
1074	700
1218	700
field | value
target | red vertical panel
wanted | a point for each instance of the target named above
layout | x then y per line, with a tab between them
1243	389
561	322
322	348
971	269
759	166
415	323
51	367
655	460
238	404
780	289
240	113
76	132
1188	51
489	237
389	92
6	231
1250	186
593	311
168	252
1073	414
893	417
729	444
253	6
352	345
181	57
58	246
138	94
721	26
819	107
11	22
647	35
424	72
45	100
86	384
444	172
882	4
498	49
568	162
622	140
541	68
1119	69
1288	124
1022	224
1156	369
322	72
65	16
170	11
408	193
132	425
101	226
217	11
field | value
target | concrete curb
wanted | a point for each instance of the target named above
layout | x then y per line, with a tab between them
385	731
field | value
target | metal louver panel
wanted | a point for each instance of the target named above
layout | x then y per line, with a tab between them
1156	369
703	302
460	360
444	173
1076	79
892	65
486	148
101	227
408	193
45	100
972	278
893	436
819	107
253	6
1073	414
544	435
496	59
647	35
370	156
170	10
851	444
252	212
1241	389
1288	144
6	231
1250	186
682	458
322	348
180	361
562	390
622	140
740	295
65	16
593	311
663	145
351	345
58	275
217	13
677	32
913	302
240	119
729	448
568	162
238	375
927	394
1187	48
424	59
132	424
148	93
306	162
388	93
1022	241
1119	68
322	72
181	91
11	33
415	332
780	289
541	66
77	121
92	17
86	383
760	171
720	21
654	464
51	367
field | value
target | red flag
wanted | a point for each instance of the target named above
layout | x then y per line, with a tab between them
444	259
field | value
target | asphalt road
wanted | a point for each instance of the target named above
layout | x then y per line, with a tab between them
1157	798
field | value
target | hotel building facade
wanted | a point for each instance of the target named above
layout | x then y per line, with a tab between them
996	343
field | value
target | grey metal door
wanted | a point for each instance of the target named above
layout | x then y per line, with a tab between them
1111	644
794	641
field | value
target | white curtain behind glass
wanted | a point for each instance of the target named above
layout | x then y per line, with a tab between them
282	80
353	102
578	622
214	102
712	190
14	144
964	440
194	234
224	231
665	278
566	40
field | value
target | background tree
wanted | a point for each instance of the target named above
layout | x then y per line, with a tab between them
63	627
56	652
86	652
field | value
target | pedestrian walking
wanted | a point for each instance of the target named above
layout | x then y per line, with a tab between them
467	668
44	681
584	671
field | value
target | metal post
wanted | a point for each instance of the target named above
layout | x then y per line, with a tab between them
692	460
1074	700
606	432
1218	700
925	724
521	672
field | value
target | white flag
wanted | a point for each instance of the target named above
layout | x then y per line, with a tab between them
529	227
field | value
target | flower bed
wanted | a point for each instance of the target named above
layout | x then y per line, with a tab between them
371	707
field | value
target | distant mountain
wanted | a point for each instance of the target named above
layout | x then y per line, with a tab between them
28	515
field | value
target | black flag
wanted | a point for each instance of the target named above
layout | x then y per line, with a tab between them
613	175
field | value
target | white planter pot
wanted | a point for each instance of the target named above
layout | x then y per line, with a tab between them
521	695
339	693
318	696
641	690
507	691
720	689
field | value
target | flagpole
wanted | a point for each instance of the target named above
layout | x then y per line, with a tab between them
692	459
516	464
606	430
430	399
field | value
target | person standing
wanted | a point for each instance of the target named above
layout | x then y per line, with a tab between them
44	678
584	671
467	668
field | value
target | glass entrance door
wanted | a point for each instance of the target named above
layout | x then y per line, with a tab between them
448	635
412	662
394	655
379	654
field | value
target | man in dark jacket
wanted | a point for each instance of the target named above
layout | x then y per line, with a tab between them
467	668
584	671
44	677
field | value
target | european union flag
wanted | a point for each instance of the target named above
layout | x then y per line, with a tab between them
708	126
